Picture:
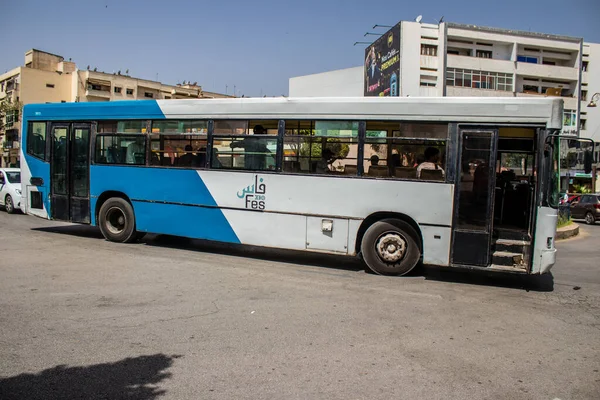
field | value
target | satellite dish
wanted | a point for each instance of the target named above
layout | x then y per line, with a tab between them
419	19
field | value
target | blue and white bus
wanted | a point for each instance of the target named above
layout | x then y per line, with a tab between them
454	182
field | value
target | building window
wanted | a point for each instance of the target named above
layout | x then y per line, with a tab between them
50	85
129	92
545	62
569	119
584	95
531	89
117	89
584	66
582	123
149	95
428	50
428	81
483	54
479	79
527	59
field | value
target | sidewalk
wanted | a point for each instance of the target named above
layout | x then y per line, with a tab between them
567	231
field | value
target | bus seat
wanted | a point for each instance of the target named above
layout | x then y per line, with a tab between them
350	169
432	174
406	172
378	170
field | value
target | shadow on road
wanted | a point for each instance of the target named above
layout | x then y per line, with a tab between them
538	283
256	252
131	378
74	230
544	283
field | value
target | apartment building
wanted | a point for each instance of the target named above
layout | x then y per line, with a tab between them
450	59
465	60
48	78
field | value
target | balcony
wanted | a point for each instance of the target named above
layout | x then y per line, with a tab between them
547	71
105	94
480	64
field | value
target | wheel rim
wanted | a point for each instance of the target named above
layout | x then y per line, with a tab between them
391	247
588	218
115	220
9	204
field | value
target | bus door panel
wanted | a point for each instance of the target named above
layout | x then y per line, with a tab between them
69	170
80	173
474	197
59	195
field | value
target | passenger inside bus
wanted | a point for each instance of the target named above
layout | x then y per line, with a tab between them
432	157
188	159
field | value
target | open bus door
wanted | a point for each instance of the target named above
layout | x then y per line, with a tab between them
474	197
69	172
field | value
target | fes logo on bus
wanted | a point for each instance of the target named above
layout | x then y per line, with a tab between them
254	195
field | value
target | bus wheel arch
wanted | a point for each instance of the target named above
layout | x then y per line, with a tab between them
115	217
390	243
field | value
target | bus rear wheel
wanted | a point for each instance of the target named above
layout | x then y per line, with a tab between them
117	220
390	247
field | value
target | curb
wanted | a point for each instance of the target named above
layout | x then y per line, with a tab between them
567	231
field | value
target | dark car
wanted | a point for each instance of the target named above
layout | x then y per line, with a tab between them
588	208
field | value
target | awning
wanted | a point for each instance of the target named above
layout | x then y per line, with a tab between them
101	82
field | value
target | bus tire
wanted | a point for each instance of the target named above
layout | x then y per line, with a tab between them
390	247
117	220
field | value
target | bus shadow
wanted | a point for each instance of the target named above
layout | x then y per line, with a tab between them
543	283
256	252
131	378
536	283
73	230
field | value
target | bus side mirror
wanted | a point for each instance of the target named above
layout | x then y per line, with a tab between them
587	161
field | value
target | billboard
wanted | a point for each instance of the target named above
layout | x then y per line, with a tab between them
382	65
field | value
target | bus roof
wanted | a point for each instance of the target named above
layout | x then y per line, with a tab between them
544	110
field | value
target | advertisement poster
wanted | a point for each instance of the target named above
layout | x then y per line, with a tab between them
382	65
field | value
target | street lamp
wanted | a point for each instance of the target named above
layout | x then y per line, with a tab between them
595	99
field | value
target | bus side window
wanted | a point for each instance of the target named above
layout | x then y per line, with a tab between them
405	150
246	145
321	147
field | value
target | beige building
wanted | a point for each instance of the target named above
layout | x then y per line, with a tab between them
48	78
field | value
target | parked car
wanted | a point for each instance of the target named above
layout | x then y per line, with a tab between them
10	189
588	208
573	198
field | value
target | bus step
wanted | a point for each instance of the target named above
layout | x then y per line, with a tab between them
508	258
511	234
511	245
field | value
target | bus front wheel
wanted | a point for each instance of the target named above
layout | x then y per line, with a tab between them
117	220
390	247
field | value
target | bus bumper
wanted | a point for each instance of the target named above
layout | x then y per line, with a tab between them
547	260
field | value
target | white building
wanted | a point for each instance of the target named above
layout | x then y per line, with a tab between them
465	60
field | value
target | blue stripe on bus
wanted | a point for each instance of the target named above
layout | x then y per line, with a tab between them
132	109
156	186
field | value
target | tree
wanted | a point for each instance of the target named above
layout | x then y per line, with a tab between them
9	109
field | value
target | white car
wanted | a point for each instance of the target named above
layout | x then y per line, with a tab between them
10	189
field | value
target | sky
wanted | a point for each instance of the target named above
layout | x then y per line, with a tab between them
253	45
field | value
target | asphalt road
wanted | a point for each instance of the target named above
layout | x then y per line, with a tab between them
172	318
